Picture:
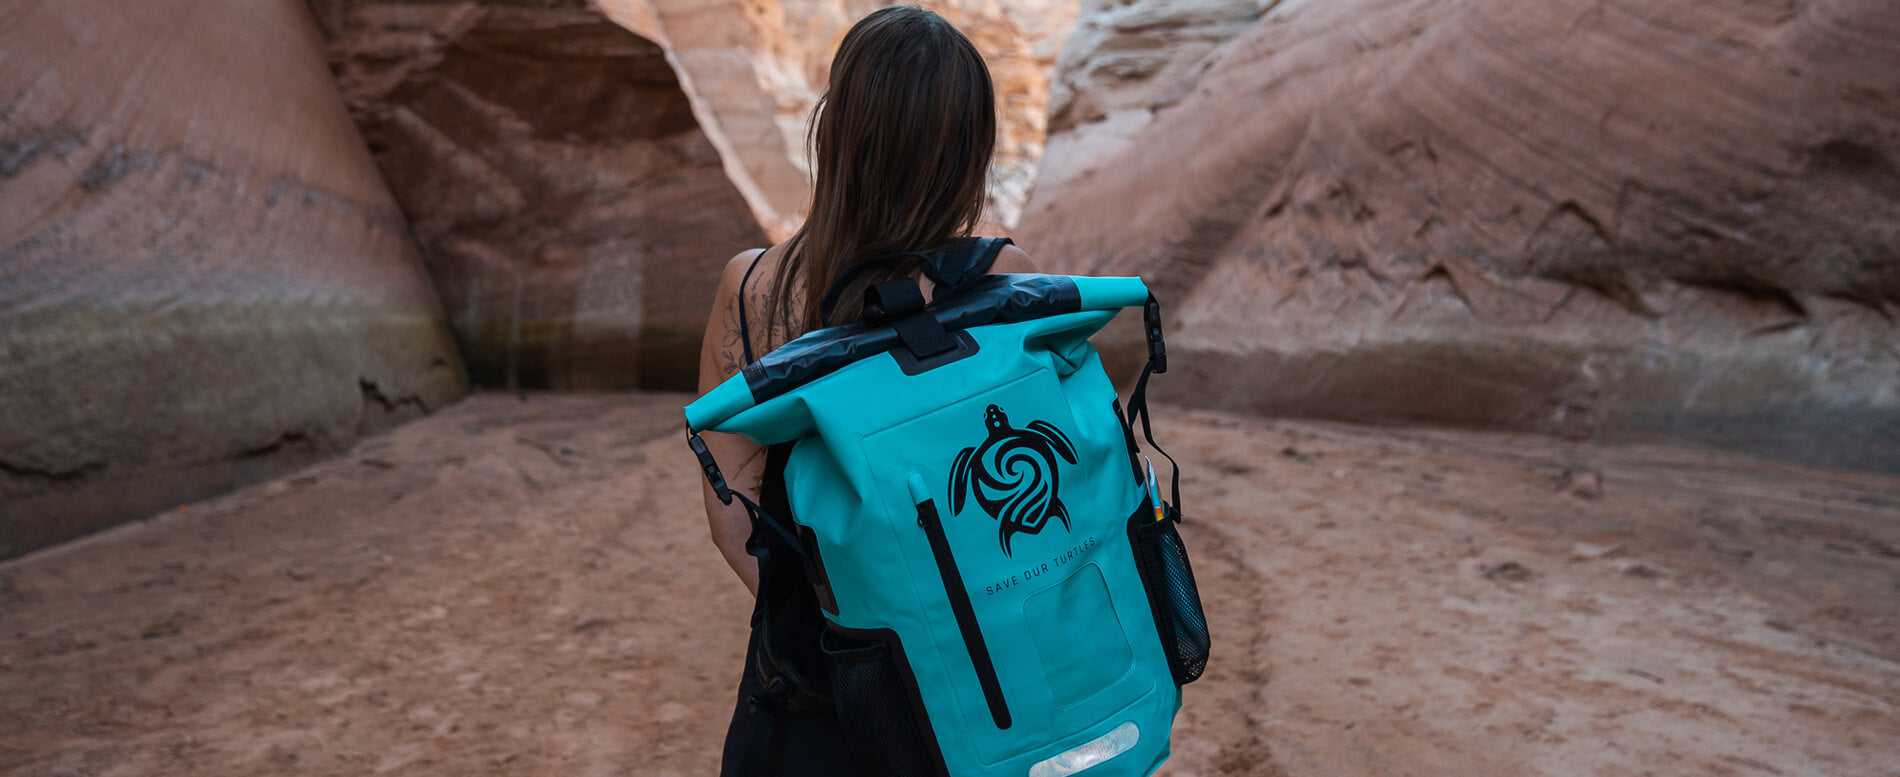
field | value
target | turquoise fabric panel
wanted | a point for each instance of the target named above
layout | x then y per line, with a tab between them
727	399
1111	293
1081	598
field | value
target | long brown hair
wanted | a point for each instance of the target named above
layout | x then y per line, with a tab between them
901	144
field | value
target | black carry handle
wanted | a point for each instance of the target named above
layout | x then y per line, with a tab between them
961	260
851	273
900	304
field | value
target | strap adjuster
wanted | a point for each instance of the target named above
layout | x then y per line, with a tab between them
711	468
777	688
1157	348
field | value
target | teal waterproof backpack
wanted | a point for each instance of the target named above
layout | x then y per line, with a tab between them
1002	593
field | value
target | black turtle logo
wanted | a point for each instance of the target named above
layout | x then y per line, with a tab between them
1013	475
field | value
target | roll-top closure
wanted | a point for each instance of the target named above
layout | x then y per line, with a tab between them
989	299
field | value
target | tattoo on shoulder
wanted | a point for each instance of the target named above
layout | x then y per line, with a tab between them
730	346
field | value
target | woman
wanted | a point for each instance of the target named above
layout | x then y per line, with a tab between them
901	142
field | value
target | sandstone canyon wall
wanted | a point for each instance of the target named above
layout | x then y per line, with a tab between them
1627	220
203	280
1121	60
570	209
754	70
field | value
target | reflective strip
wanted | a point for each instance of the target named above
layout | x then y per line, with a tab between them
1102	748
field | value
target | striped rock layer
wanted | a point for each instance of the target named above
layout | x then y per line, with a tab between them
203	280
1629	220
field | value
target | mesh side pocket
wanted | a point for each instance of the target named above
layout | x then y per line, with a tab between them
876	708
1171	592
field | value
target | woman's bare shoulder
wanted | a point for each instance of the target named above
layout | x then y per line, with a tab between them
736	268
1013	259
722	351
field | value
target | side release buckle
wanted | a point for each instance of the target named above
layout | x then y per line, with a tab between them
710	467
1157	348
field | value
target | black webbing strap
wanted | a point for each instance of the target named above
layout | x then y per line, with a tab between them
1138	399
745	334
782	681
760	516
756	749
963	259
960	260
900	303
851	273
726	494
780	694
893	300
1138	406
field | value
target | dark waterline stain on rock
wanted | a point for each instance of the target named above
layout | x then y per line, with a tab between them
1844	156
197	169
297	440
372	393
18	154
22	470
116	164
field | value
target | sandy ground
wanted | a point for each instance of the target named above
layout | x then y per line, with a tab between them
525	587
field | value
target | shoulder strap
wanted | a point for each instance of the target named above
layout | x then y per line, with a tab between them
958	261
745	334
963	259
851	273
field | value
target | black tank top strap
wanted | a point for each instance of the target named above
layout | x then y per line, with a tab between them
745	332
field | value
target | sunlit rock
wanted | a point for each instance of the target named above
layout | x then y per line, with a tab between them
754	70
1123	59
1623	220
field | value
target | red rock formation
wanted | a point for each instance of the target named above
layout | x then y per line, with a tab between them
1623	219
572	213
1122	59
203	281
754	70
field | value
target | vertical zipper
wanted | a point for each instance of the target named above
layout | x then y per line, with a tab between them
960	606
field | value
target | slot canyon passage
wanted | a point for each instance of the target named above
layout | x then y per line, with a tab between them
1535	387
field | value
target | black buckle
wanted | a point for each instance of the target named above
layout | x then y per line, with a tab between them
777	688
1157	349
710	467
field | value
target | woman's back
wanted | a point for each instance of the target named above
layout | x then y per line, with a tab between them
901	143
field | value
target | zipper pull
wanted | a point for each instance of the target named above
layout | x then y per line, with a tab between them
919	493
